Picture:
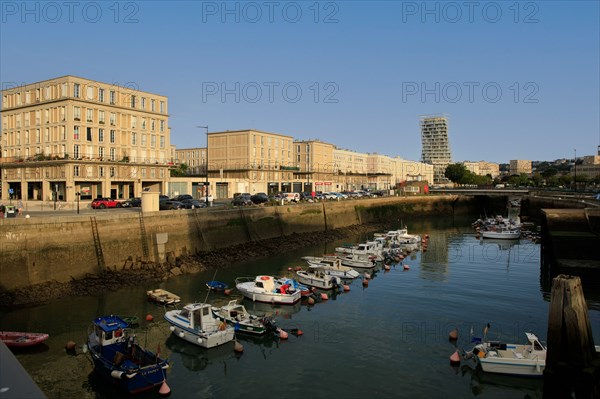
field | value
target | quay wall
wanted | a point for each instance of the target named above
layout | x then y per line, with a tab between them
62	248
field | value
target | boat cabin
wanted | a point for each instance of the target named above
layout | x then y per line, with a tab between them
265	282
316	271
199	315
233	311
109	330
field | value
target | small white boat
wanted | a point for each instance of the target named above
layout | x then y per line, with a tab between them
197	324
515	359
315	276
332	266
264	289
356	261
236	315
369	248
163	297
502	234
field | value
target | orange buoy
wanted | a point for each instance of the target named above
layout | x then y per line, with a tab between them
299	332
365	282
70	345
453	334
149	317
227	291
283	334
289	269
298	268
406	267
346	287
237	347
311	300
164	389
324	296
455	357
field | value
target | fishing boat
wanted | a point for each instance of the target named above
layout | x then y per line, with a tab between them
264	289
315	276
357	261
290	282
118	357
197	324
163	297
216	286
501	233
236	315
22	339
372	248
525	360
332	266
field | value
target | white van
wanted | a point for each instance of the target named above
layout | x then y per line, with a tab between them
289	197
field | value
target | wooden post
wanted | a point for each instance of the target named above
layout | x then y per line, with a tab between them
570	340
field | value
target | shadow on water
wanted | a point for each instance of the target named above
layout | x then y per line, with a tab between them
498	385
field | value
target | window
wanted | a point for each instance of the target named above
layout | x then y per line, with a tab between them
76	170
112	171
152	125
62	114
133	138
101	171
90	92
47	115
143	103
75	132
90	115
77	113
47	93
162	141
162	107
101	95
112	158
162	126
100	135
46	135
101	117
143	123
153	105
143	140
112	97
89	134
76	151
134	122
113	119
133	99
101	152
153	141
37	135
112	136
76	90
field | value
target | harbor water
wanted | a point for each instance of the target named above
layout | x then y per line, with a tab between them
388	339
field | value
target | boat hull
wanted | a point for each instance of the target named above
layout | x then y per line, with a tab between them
527	367
324	284
268	297
511	235
22	339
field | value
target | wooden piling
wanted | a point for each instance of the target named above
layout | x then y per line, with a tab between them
571	361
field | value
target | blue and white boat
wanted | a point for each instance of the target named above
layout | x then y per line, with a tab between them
197	324
118	357
216	285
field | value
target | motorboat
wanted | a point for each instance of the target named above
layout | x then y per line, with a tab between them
501	233
236	315
332	266
118	356
525	360
290	282
356	261
197	324
15	339
370	248
163	297
264	289
315	276
217	286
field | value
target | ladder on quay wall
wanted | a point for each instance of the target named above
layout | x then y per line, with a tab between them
97	245
199	228
145	250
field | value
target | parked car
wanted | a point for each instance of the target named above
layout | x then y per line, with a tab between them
101	203
306	196
181	197
259	198
170	205
242	200
163	198
190	203
379	193
132	203
329	196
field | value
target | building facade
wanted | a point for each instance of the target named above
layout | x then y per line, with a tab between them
518	166
72	136
194	158
436	146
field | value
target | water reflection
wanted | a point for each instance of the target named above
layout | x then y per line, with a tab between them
492	384
196	358
265	309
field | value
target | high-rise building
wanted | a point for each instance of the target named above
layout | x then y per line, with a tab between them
435	145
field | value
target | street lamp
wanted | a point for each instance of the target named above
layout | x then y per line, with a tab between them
206	184
575	169
78	194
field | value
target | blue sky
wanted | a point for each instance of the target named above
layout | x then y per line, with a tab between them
518	80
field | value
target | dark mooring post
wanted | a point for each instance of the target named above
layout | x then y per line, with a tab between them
571	362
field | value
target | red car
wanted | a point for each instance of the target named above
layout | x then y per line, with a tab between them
101	203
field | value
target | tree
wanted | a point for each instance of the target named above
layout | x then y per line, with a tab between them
180	171
456	173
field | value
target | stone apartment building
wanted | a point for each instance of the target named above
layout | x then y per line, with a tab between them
69	135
